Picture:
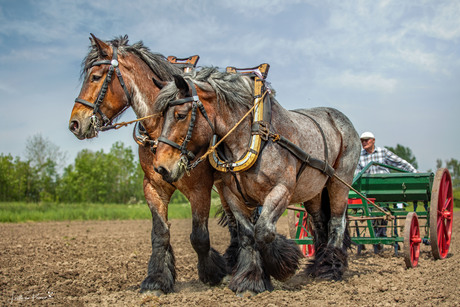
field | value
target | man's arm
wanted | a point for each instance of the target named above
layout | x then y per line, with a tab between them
393	160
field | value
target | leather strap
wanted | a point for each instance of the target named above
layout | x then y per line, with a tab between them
321	165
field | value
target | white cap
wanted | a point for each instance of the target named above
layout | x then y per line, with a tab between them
367	135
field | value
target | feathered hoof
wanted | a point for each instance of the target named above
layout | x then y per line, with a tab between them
281	258
329	264
158	286
212	269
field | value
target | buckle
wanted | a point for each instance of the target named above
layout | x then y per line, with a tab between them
264	130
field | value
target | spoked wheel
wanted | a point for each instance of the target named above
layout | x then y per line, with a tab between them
441	214
412	240
308	250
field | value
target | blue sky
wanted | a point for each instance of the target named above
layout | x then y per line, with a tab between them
393	67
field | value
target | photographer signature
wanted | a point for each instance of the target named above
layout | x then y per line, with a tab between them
32	297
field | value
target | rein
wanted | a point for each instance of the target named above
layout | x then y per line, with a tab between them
123	124
114	66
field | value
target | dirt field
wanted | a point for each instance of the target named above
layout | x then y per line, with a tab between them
102	264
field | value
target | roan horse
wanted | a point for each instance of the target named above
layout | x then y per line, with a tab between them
100	101
277	178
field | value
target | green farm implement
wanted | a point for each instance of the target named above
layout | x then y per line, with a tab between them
391	209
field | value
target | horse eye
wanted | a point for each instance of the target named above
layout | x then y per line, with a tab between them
180	116
95	78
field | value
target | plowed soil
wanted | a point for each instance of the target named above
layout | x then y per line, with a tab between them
101	263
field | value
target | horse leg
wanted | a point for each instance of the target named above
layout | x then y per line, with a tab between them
161	274
320	216
211	265
231	253
331	258
248	274
280	255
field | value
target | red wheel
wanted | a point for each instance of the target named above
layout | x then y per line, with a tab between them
412	240
306	230
307	249
441	214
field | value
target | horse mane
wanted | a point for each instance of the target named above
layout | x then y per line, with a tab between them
156	61
232	89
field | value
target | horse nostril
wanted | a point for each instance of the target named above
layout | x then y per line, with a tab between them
74	126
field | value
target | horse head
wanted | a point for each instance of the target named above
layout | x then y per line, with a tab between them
101	99
187	127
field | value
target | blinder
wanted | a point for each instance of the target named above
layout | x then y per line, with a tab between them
114	66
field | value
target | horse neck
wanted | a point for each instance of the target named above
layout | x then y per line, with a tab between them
144	94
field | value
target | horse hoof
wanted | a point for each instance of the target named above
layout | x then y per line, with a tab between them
246	294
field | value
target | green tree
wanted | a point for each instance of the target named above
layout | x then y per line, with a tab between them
137	180
404	153
453	165
6	169
121	164
87	180
100	177
18	181
45	159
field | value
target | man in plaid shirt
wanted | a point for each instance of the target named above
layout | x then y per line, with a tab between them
370	153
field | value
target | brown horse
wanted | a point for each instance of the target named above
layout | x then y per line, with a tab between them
285	172
100	101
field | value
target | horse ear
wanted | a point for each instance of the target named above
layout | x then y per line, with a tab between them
102	48
158	83
182	85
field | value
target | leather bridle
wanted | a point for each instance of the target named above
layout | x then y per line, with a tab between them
196	105
114	66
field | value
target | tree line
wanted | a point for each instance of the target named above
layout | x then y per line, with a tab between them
98	177
94	177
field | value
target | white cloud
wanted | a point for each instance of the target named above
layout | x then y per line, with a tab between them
259	9
362	82
342	53
441	21
422	60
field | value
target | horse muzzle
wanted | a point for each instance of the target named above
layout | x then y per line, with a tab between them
82	129
175	173
165	174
